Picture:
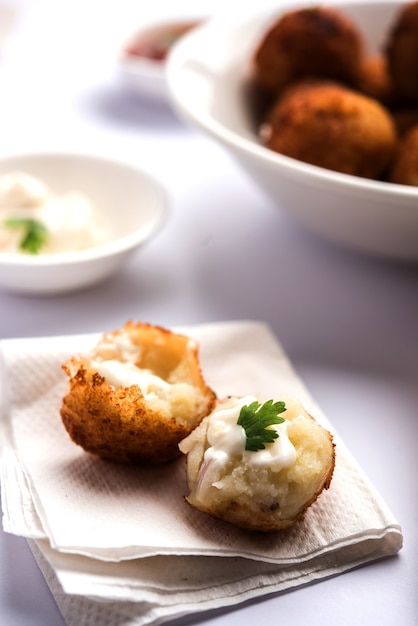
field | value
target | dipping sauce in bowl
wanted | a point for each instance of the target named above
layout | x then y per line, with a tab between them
141	64
34	220
155	42
86	215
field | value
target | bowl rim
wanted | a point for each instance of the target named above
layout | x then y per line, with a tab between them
143	75
184	54
155	24
108	249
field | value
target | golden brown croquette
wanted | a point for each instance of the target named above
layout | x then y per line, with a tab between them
405	166
329	125
264	490
138	393
310	42
402	53
374	80
405	118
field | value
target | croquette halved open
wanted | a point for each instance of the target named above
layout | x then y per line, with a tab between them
265	490
138	393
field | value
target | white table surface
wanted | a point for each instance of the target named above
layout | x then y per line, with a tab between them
349	323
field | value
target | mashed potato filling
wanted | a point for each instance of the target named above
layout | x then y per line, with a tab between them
122	363
266	489
118	346
227	439
160	395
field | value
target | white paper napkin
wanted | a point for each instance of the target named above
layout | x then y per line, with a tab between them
126	534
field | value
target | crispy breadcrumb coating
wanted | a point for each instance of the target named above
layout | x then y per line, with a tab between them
402	53
137	395
405	166
374	80
308	42
329	125
258	490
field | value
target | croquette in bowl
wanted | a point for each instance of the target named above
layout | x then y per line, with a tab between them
326	124
402	53
312	42
405	166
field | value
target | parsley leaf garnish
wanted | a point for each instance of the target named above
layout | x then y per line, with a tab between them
254	418
35	234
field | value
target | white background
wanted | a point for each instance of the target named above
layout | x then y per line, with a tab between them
349	323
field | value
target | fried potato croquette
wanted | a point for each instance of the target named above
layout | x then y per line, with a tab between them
405	166
402	53
329	125
309	42
138	393
264	490
405	119
374	80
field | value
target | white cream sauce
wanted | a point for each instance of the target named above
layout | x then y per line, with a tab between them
118	374
227	439
71	221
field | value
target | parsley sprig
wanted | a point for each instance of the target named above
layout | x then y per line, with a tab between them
255	419
34	233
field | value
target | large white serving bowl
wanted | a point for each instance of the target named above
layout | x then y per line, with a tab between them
207	74
129	200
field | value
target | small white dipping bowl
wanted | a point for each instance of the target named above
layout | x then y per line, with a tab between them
131	202
207	74
144	76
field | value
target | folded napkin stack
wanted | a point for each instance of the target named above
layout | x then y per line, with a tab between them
119	544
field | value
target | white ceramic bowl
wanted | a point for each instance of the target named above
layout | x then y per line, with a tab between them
207	74
130	201
143	76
